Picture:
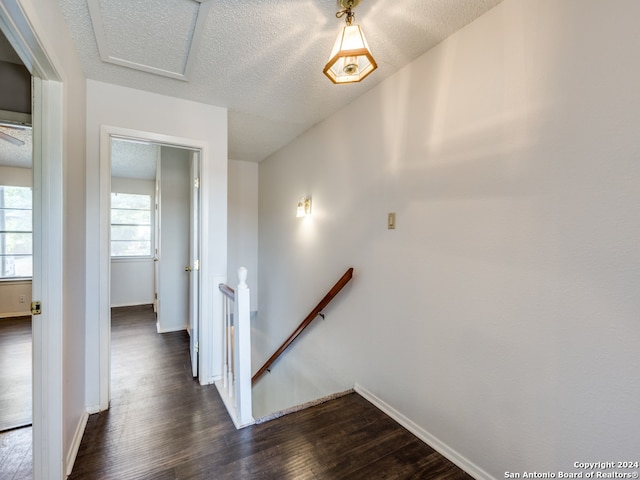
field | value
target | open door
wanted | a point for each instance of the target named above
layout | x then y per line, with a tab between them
156	236
194	261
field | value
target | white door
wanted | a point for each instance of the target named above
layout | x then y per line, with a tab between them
194	261
156	246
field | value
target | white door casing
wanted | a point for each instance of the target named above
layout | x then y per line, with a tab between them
205	357
156	244
194	261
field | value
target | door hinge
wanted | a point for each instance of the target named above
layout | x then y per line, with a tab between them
36	308
196	182
196	347
196	264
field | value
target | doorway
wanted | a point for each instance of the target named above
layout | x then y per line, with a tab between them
47	136
16	264
16	270
154	233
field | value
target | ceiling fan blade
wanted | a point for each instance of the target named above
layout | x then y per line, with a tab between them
10	139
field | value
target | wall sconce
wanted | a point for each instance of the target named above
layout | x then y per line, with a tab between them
304	207
350	60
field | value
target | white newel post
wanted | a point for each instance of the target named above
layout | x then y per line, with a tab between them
242	350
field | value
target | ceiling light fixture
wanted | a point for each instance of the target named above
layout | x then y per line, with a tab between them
350	60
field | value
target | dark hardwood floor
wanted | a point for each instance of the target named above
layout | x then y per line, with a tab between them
163	425
15	398
15	454
15	372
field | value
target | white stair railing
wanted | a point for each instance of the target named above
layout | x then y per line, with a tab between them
235	385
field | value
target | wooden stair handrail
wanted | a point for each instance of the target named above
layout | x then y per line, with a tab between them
228	291
305	323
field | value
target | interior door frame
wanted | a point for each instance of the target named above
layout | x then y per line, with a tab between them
194	259
47	280
156	237
108	132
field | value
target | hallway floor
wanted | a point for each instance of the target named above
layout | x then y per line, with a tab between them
163	425
16	454
15	372
15	398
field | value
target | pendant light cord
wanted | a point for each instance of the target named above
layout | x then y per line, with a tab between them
348	12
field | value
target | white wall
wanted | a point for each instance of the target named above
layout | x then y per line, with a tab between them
132	282
10	294
243	225
173	288
132	279
16	176
501	316
125	108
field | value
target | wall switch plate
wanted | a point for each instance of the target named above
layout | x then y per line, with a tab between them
391	221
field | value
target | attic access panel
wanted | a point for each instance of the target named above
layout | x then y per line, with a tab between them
155	37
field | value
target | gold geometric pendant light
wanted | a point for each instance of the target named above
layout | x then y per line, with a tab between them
350	60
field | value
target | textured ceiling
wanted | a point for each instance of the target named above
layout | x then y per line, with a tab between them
131	159
12	155
261	59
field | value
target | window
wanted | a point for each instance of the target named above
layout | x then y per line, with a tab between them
130	225
16	244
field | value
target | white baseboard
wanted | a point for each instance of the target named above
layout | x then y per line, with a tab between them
231	409
135	304
168	330
210	381
442	448
15	314
75	444
93	409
